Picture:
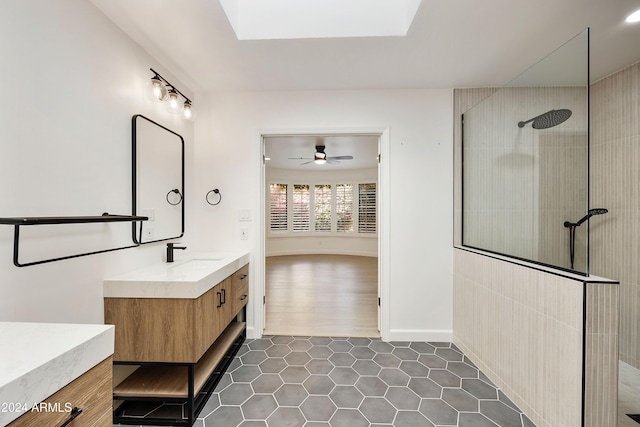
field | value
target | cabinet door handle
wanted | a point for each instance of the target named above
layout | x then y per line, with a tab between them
224	296
219	299
74	414
244	276
244	297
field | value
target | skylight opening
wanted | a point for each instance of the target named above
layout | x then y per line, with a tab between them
308	19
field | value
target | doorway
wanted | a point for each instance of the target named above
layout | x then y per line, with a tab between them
321	236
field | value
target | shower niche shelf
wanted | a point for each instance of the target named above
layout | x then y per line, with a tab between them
18	222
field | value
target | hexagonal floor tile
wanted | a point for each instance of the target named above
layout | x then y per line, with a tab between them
378	410
386	360
236	394
500	413
253	357
422	347
346	396
366	367
432	361
342	359
414	369
297	358
318	408
320	352
371	386
403	398
278	350
259	344
479	389
462	370
449	354
225	416
286	417
300	345
362	353
273	365
291	395
444	378
267	383
340	346
344	376
381	347
259	406
294	374
245	374
318	384
425	388
348	418
319	366
394	376
320	340
405	353
471	419
412	419
438	412
460	400
282	339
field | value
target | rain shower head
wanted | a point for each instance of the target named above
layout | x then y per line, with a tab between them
548	120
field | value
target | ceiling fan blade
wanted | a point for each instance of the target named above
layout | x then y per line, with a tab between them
332	161
300	158
306	163
340	158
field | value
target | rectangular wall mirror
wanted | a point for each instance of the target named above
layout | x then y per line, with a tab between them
158	181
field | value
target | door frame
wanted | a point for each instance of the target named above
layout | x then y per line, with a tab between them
259	288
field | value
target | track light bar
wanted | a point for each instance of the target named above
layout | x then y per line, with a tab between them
160	89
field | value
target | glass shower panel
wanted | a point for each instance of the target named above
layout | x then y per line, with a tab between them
525	163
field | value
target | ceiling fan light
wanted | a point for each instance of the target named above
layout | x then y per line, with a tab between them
319	161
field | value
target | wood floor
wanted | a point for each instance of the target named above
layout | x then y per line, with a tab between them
322	295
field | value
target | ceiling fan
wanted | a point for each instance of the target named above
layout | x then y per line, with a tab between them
320	157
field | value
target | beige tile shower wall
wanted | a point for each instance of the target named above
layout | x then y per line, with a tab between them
523	328
615	184
601	355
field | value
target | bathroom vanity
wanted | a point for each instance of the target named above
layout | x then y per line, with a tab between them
55	374
181	323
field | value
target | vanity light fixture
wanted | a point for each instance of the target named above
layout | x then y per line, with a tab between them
160	90
634	17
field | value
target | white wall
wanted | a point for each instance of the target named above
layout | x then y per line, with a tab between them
419	248
71	83
319	243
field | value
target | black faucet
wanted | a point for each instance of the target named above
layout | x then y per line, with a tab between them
170	249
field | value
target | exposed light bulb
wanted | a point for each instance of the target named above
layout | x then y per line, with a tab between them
156	91
634	17
173	103
187	111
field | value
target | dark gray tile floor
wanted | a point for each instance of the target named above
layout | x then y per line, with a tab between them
285	381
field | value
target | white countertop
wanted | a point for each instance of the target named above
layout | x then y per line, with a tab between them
38	359
190	276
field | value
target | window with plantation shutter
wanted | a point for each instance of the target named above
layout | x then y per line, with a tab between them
301	207
322	211
367	208
278	207
344	207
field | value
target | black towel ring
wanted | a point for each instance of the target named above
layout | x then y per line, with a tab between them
215	191
175	190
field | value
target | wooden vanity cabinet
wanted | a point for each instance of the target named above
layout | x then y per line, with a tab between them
173	329
90	392
182	347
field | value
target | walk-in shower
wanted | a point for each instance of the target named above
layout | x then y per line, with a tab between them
548	120
572	229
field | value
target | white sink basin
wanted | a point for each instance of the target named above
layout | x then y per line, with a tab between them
185	278
195	264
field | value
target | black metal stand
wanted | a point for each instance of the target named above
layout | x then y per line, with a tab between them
161	411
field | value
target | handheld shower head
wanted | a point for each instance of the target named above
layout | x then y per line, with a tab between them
590	213
548	120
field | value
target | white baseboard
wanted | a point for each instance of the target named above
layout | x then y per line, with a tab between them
251	333
422	335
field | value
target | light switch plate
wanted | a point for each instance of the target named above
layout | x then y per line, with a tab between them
244	215
148	212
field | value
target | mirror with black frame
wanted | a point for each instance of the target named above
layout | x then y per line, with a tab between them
158	181
525	153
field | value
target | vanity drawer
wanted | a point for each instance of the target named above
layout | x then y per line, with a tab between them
240	288
91	392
